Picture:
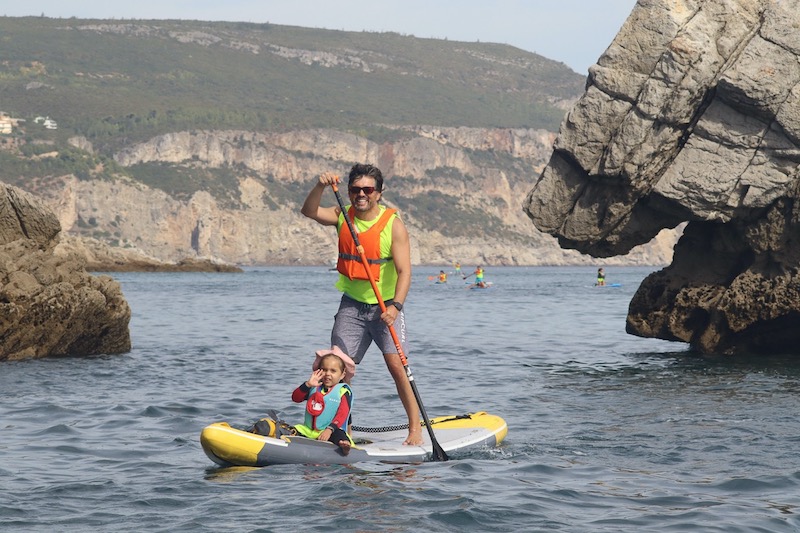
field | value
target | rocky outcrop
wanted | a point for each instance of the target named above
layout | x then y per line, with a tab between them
49	305
692	114
98	256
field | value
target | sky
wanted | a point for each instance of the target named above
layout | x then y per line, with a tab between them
575	32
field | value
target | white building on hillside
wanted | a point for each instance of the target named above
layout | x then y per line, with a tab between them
7	124
47	122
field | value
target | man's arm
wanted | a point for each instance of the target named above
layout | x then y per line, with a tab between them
401	254
327	216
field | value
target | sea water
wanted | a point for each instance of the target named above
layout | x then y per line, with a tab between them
607	431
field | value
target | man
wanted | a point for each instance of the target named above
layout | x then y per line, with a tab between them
359	320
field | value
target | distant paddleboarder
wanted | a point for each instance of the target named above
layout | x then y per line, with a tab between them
478	277
601	277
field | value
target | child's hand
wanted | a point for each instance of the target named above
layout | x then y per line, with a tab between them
326	434
316	379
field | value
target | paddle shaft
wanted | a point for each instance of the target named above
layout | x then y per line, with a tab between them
438	453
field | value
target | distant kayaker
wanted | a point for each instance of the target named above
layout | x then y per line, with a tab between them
442	277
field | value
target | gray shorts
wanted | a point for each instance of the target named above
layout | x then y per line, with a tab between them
356	325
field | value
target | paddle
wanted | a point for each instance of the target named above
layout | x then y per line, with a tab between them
438	453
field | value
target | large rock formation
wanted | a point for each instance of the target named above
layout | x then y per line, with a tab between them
692	114
49	305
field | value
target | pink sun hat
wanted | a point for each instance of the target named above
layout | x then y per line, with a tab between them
349	365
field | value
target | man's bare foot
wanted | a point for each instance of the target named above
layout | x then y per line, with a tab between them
413	439
344	445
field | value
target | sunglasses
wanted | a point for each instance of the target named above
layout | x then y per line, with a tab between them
366	190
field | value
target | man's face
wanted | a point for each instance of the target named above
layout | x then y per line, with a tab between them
362	201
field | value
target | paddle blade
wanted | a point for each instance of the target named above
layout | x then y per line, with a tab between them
438	453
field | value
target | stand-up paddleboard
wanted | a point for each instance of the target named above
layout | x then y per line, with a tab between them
609	285
228	446
486	285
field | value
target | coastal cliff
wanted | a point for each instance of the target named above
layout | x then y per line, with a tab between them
460	191
692	115
219	137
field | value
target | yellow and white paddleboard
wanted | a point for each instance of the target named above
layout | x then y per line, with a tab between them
228	446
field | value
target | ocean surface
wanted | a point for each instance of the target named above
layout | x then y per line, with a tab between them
607	431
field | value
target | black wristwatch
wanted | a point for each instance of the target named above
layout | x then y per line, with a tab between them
398	305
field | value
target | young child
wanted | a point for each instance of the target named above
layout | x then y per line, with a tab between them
328	398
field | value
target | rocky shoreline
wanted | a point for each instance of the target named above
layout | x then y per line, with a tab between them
100	257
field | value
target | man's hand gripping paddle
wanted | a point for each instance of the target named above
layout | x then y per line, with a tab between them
438	453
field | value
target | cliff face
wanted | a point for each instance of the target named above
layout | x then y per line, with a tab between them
484	173
692	114
49	305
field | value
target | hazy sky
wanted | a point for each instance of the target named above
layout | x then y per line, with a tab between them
575	32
